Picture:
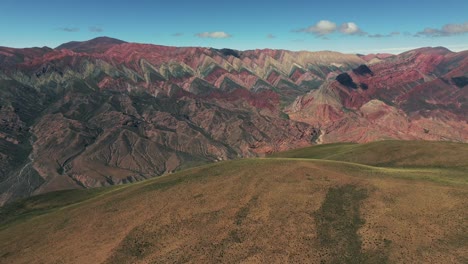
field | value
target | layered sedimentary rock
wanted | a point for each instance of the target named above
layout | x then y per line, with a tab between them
105	112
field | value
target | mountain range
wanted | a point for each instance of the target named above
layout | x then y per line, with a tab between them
105	112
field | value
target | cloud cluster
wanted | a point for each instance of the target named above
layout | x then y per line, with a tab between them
215	35
351	28
326	27
378	36
447	30
395	33
323	27
69	29
95	29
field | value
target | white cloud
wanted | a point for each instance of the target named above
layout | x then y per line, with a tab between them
323	27
350	28
216	35
271	36
446	30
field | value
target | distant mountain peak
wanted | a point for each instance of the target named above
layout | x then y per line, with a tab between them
430	50
99	44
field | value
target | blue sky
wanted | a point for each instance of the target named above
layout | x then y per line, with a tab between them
348	26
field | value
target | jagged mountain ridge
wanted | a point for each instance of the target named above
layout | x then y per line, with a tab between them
106	112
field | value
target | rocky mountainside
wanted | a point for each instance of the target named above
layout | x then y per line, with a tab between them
104	112
420	94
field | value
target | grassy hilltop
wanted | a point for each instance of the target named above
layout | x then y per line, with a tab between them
389	201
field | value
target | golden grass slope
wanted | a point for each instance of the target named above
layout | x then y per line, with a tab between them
271	210
388	153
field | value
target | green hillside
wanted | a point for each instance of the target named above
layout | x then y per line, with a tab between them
401	203
389	153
